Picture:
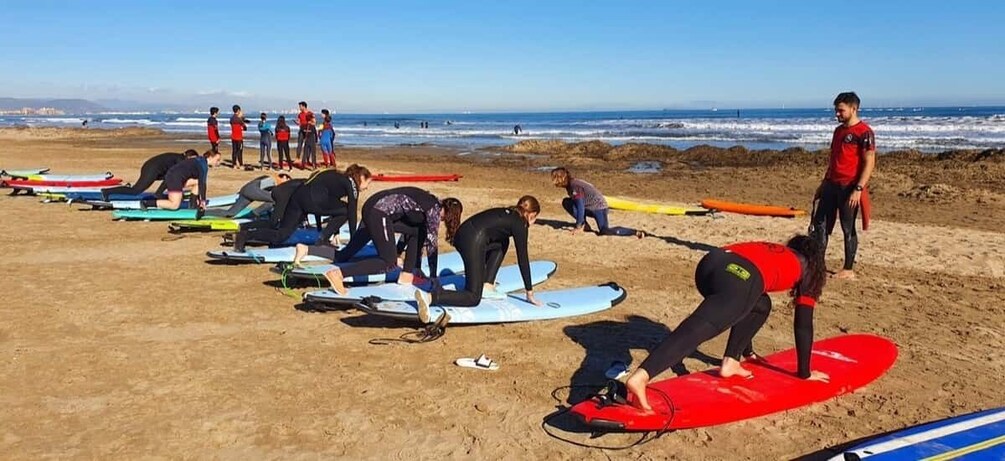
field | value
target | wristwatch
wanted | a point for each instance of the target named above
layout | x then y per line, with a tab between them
858	187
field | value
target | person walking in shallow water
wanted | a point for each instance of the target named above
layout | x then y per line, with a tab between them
516	130
843	191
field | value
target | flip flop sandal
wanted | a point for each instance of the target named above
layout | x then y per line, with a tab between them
481	363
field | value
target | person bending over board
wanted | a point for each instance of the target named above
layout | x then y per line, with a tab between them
843	190
321	194
188	175
483	241
152	170
734	281
584	201
256	190
387	212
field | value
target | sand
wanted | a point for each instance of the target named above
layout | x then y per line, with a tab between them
119	343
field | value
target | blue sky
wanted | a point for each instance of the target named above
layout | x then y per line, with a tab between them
376	56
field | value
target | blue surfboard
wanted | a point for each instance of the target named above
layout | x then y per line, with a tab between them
974	436
447	264
570	302
166	215
212	202
508	279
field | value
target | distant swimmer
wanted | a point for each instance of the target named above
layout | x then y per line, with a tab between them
85	123
448	123
397	125
516	130
364	123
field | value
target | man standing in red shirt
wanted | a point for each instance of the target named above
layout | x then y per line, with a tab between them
843	190
213	129
237	126
302	123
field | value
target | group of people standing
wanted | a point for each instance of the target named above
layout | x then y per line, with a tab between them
309	138
734	280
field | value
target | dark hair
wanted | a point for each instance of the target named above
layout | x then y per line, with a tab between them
285	176
849	98
263	116
236	108
281	122
325	112
527	205
358	173
816	269
302	103
207	154
214	110
452	210
191	153
561	177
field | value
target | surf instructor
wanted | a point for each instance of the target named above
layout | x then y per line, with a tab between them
735	281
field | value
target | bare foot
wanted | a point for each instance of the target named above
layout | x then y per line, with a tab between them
731	367
405	278
334	277
301	251
640	234
636	385
845	274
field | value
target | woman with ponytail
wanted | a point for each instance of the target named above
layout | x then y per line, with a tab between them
410	211
483	241
735	281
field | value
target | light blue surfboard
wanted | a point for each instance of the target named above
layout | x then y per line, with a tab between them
570	302
84	196
23	173
974	436
283	254
72	177
54	189
166	215
447	264
212	202
508	279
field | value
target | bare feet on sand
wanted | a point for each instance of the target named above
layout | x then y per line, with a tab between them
844	274
731	367
334	277
636	385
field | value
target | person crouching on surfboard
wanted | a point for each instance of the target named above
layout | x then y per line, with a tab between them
189	174
482	241
735	280
586	201
410	211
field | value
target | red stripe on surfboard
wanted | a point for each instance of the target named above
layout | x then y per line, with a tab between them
703	399
415	178
33	183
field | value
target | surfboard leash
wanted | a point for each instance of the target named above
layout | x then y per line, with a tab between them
426	334
608	394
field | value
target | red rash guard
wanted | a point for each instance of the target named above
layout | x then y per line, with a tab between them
779	265
847	148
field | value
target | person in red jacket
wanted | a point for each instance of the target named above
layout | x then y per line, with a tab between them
735	281
302	118
213	129
283	143
843	190
237	126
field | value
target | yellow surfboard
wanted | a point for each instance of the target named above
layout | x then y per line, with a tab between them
673	210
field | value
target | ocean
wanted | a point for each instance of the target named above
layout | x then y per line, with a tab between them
928	129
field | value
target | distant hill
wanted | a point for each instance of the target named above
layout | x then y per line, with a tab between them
70	106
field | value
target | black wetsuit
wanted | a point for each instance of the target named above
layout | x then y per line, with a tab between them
410	211
734	289
483	241
256	190
192	168
321	194
834	202
152	170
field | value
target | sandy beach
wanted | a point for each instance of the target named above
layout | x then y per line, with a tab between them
118	341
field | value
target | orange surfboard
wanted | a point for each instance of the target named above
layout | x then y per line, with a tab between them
751	209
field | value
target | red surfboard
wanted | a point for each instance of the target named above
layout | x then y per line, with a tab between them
27	183
416	177
703	399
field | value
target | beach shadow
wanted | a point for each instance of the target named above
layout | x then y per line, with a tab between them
609	341
377	321
554	224
696	246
